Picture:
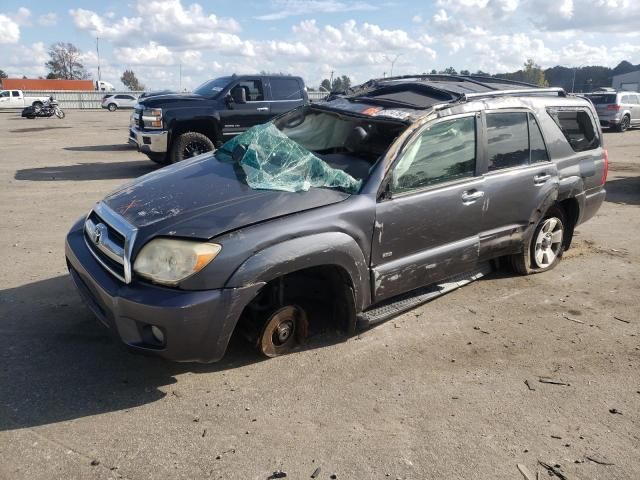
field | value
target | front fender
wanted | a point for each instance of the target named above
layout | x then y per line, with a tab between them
323	249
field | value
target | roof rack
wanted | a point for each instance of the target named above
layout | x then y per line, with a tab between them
516	91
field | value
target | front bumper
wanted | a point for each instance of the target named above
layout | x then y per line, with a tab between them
148	141
197	325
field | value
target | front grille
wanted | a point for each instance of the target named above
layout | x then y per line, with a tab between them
110	238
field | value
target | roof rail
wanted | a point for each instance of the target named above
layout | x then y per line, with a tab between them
516	91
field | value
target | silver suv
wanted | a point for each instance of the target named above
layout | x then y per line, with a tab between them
114	102
619	110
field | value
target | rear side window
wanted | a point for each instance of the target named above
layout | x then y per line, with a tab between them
626	99
577	127
507	139
285	89
15	93
536	143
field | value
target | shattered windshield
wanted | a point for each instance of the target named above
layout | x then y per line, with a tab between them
311	148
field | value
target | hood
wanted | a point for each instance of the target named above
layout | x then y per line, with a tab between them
204	197
160	100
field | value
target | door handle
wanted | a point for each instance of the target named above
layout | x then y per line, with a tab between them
540	179
262	109
471	196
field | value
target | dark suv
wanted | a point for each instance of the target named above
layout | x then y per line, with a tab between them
341	214
172	127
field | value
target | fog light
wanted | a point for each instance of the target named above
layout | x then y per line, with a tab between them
158	335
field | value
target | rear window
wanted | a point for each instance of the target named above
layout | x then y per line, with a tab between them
285	89
603	99
577	127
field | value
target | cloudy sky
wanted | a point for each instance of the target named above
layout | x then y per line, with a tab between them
311	38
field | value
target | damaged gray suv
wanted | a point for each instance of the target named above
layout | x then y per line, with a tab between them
341	214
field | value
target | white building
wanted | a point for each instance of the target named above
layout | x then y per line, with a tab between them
627	81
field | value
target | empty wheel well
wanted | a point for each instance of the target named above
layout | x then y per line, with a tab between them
325	293
571	211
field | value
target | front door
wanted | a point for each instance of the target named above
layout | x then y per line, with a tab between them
249	106
429	229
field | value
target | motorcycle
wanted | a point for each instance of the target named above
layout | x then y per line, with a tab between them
49	109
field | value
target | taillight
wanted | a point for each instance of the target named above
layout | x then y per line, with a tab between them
605	170
613	107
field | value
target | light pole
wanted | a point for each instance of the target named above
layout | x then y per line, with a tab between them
393	62
573	82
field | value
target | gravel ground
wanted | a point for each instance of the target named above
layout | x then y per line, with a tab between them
438	392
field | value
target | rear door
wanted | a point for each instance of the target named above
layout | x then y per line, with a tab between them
286	94
518	177
429	229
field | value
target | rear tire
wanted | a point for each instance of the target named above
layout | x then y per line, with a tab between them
37	105
624	124
112	107
190	144
546	246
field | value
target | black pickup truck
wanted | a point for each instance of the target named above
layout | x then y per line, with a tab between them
171	128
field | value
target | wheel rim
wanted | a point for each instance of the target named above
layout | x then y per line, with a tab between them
625	123
195	148
548	242
283	330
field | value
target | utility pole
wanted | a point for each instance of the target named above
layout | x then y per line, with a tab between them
180	77
98	52
393	62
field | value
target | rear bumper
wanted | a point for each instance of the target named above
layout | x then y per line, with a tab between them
148	141
197	325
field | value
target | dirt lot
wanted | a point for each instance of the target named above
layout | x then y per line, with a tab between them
436	393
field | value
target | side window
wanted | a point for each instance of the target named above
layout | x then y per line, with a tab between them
507	140
443	152
285	89
635	99
4	94
252	89
626	99
577	127
15	93
536	143
120	97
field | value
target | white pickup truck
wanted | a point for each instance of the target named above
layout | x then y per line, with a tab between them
16	99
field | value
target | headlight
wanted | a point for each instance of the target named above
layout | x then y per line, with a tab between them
168	261
152	118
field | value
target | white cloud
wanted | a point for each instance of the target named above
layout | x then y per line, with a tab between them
48	19
150	54
290	8
9	30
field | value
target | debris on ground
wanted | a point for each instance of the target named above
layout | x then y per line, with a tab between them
95	463
480	330
621	319
615	411
572	319
525	472
553	470
553	382
204	433
526	382
598	461
277	474
315	473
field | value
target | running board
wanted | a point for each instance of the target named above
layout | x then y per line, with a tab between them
407	301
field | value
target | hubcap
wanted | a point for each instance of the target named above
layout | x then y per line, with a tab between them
548	242
194	149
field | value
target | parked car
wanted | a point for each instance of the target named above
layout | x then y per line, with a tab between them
17	99
121	100
341	214
617	110
170	128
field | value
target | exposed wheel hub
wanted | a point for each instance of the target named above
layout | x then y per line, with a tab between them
283	329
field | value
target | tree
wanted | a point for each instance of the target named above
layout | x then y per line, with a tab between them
434	71
465	72
346	82
130	81
336	86
449	71
326	84
3	74
65	62
533	73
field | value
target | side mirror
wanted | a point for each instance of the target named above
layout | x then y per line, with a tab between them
229	101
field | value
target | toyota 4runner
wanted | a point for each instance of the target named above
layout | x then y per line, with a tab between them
341	214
